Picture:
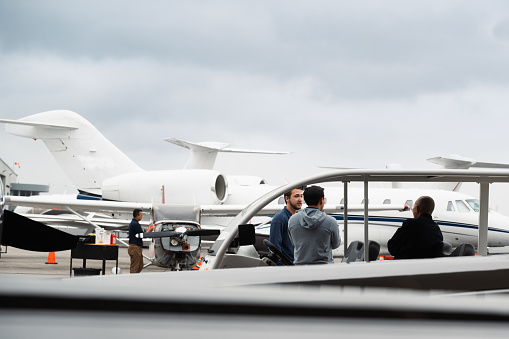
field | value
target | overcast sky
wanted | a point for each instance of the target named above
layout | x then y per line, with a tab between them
338	83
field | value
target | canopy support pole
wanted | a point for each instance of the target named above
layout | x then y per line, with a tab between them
366	220
484	195
345	217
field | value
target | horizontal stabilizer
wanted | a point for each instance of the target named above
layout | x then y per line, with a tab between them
216	146
489	165
26	234
453	161
36	124
459	162
203	154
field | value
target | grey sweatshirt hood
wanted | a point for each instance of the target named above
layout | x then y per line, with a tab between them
311	217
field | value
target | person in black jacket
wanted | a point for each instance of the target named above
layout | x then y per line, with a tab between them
418	237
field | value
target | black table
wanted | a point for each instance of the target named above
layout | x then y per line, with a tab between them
95	252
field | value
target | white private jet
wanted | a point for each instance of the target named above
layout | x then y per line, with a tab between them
222	254
100	169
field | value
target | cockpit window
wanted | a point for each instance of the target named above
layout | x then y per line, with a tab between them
450	206
387	201
462	207
474	204
281	201
409	203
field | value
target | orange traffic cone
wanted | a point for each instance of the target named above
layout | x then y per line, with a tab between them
198	264
51	258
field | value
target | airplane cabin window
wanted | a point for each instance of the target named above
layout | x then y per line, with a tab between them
409	203
450	207
462	207
474	204
387	201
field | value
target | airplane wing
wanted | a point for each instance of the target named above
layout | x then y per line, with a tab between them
77	204
100	206
83	219
72	220
372	208
270	210
206	210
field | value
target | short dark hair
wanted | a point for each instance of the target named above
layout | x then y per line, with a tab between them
289	193
426	204
313	194
136	212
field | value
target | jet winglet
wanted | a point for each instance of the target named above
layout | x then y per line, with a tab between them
203	154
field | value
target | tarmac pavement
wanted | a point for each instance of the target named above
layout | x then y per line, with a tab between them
20	263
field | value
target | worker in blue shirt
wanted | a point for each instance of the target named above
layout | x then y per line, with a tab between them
135	249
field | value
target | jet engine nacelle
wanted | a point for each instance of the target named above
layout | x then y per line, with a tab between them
196	187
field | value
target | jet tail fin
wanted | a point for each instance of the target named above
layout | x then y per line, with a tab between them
84	154
203	155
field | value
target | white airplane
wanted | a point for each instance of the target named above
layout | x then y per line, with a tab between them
100	169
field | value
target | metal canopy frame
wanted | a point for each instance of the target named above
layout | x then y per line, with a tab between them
483	177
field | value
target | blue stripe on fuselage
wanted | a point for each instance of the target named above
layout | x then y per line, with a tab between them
401	220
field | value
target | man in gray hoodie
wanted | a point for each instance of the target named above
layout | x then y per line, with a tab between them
314	234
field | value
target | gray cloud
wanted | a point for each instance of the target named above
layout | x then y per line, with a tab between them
352	51
355	84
